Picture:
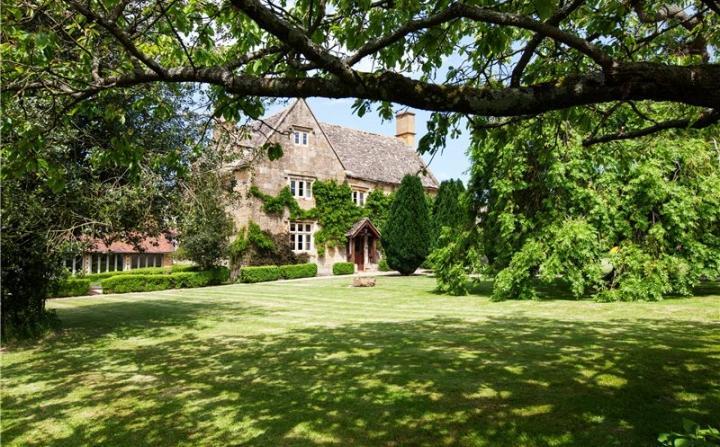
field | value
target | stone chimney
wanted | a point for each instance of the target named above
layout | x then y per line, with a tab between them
405	127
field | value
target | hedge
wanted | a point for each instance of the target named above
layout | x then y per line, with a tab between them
259	274
294	271
72	287
151	282
383	265
343	268
94	277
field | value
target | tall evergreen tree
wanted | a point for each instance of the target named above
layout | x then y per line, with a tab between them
447	209
406	234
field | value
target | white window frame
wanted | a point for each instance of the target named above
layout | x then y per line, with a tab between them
106	262
300	137
300	187
359	196
301	235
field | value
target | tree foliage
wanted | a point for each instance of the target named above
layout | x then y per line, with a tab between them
447	210
105	175
620	221
406	234
603	61
206	227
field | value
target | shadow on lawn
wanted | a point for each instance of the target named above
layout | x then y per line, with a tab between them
503	381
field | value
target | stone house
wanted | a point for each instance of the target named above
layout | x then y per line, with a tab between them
320	151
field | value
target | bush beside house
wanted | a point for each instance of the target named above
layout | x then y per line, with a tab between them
72	287
272	272
296	271
259	274
153	282
343	268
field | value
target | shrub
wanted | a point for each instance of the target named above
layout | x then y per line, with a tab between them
212	277
71	287
151	282
406	235
136	283
383	266
343	268
176	268
255	247
298	271
259	274
94	277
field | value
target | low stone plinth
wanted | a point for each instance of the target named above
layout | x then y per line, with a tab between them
363	282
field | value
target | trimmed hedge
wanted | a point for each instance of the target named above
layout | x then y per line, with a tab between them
383	265
94	277
343	268
259	274
72	287
293	271
151	282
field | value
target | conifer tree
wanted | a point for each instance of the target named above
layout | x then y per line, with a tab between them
406	234
447	209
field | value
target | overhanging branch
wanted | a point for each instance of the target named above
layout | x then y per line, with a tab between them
707	119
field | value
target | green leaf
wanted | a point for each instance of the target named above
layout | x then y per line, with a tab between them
544	8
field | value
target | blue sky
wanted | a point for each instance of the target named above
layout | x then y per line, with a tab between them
452	163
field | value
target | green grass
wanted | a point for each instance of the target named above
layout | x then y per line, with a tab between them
319	363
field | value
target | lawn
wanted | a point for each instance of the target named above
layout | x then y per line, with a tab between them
314	362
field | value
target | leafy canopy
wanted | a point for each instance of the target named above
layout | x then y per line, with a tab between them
647	64
621	221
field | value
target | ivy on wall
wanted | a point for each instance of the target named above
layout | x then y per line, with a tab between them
334	210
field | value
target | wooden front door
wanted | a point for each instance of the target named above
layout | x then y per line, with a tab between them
359	253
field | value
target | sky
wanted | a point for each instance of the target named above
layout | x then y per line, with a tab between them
452	163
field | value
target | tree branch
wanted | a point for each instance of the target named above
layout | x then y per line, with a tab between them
294	38
461	10
693	85
530	48
118	34
707	119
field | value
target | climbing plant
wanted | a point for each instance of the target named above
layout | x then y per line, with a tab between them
377	206
255	246
334	210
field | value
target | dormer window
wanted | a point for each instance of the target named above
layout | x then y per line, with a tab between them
300	137
358	197
301	187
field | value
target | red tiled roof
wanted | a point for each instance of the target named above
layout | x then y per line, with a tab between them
148	245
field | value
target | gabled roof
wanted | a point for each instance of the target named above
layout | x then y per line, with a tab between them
376	157
364	155
359	225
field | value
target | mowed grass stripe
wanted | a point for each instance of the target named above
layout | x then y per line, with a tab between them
314	362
